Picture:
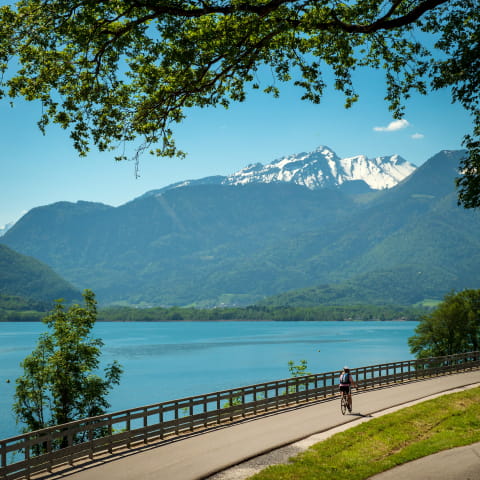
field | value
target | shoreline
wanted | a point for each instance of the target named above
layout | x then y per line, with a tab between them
227	320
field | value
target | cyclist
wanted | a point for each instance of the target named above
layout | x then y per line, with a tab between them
346	383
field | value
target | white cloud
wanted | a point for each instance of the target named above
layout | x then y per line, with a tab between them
418	136
393	126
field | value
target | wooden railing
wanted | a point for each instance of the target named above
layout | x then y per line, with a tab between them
42	450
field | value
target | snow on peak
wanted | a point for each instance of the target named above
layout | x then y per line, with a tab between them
318	169
323	168
378	173
5	228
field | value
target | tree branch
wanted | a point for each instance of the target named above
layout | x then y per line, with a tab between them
388	23
161	9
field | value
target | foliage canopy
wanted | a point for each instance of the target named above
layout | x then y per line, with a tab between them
453	327
115	71
60	383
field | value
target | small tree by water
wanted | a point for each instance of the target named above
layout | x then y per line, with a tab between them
60	381
298	370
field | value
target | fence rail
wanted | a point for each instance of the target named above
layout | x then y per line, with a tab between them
40	451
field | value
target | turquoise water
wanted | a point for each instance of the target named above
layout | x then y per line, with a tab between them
167	360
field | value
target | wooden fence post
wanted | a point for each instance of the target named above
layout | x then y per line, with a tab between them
176	416
3	454
145	425
90	440
27	456
160	421
205	410
110	432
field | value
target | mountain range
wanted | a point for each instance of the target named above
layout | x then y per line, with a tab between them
319	169
356	230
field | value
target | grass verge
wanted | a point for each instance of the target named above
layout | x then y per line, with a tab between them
382	443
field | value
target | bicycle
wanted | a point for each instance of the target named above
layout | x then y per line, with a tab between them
346	400
344	406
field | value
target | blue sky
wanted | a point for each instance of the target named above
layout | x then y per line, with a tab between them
38	170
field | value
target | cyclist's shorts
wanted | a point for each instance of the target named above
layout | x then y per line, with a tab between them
345	388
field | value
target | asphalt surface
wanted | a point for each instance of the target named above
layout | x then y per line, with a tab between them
459	463
455	464
281	435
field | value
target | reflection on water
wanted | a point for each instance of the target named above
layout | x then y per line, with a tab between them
167	360
181	348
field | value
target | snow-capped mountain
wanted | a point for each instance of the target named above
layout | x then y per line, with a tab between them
322	168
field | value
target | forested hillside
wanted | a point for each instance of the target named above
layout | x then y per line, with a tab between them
28	286
27	277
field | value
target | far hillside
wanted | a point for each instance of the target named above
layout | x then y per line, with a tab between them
399	286
28	285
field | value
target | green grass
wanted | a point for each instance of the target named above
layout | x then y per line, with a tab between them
429	303
380	444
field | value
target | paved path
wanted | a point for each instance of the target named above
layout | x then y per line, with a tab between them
200	456
435	467
461	463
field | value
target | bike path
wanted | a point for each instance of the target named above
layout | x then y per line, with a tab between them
435	467
200	456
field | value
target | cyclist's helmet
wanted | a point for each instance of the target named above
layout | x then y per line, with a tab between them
346	368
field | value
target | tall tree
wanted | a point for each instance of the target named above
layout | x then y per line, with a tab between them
115	70
60	381
453	327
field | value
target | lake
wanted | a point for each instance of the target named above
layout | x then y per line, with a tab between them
168	360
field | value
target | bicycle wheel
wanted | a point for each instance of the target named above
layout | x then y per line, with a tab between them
343	404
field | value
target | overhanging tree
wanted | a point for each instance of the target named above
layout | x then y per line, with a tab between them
60	382
118	70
